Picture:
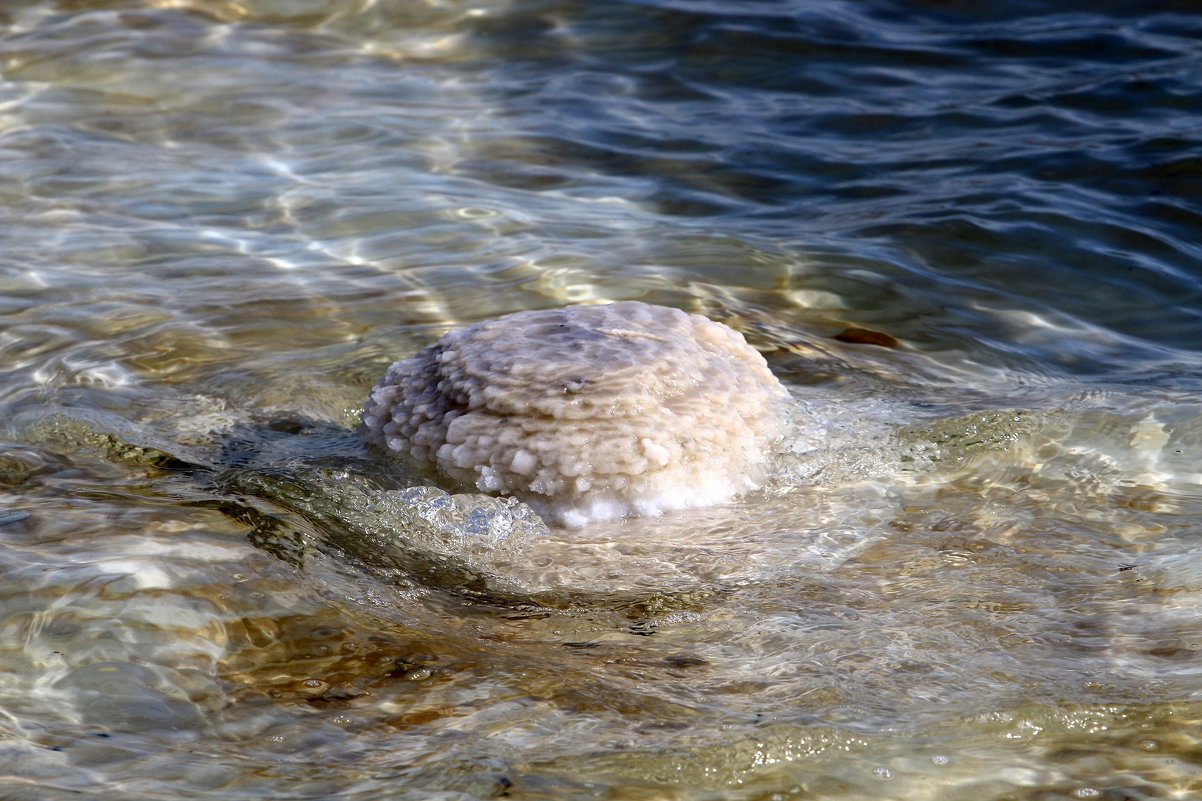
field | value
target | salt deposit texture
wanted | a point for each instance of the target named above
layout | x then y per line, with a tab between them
587	412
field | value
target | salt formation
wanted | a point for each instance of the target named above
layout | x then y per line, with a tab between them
587	412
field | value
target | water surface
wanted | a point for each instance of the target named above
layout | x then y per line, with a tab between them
965	236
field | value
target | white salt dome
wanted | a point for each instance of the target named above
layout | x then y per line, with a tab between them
587	412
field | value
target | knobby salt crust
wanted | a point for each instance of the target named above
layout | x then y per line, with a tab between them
587	412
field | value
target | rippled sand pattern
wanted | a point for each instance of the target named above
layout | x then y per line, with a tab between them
964	237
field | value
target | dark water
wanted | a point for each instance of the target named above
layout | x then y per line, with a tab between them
965	235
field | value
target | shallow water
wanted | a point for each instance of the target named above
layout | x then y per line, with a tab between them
964	236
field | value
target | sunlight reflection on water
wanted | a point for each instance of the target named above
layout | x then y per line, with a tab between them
962	237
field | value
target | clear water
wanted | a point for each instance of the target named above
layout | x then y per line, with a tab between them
965	235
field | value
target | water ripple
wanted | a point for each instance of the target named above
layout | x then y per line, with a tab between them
965	235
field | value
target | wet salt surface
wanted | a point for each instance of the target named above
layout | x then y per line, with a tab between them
963	239
587	413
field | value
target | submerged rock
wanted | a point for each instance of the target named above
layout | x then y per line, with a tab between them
589	412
